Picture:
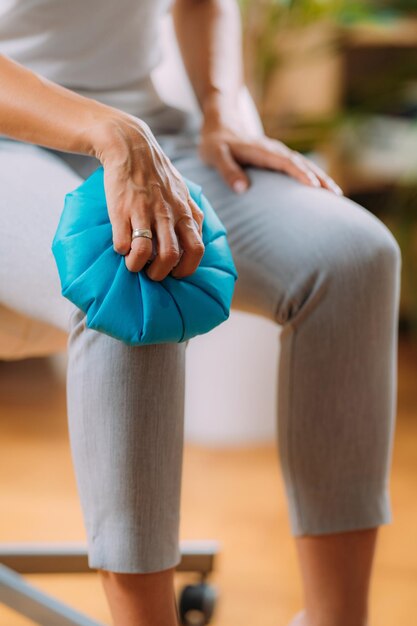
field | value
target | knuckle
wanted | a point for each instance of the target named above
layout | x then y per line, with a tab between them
190	222
163	211
140	253
121	246
186	219
197	247
180	196
170	254
222	147
139	256
199	214
131	265
295	157
280	148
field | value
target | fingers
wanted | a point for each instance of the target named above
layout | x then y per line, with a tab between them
192	245
230	170
121	235
170	246
161	203
275	155
198	216
325	180
296	167
180	249
169	252
140	248
138	251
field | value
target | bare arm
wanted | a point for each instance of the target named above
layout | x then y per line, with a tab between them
143	188
209	37
38	111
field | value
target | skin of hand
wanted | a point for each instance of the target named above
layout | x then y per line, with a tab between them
226	145
215	69
143	188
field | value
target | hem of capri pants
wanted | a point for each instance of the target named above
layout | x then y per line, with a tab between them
123	556
375	510
354	506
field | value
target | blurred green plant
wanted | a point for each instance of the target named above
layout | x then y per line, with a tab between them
304	11
264	20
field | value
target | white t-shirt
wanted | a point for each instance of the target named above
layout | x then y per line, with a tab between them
104	49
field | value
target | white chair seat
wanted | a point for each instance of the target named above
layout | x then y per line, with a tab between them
23	337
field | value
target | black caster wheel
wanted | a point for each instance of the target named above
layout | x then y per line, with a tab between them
196	604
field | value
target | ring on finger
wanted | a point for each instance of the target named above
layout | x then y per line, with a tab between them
141	232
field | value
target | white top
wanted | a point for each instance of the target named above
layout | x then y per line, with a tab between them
104	49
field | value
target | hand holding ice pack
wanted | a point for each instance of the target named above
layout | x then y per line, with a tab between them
127	305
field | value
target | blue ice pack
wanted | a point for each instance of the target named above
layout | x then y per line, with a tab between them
127	305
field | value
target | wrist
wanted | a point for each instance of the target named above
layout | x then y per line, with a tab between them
110	133
219	110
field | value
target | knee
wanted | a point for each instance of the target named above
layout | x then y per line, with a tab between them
351	260
370	255
363	273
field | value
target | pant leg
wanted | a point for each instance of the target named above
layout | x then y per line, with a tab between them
125	403
328	272
33	184
126	410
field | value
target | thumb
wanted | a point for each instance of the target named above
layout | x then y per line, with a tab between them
230	170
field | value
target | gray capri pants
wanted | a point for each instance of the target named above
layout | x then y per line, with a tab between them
322	267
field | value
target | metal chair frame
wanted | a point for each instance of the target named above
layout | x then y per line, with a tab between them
42	608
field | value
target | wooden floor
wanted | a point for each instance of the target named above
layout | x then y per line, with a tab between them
233	495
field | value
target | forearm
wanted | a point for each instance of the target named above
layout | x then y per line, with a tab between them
36	110
209	37
209	34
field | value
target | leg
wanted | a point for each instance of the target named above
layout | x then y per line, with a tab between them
338	568
125	404
139	598
327	271
33	186
125	410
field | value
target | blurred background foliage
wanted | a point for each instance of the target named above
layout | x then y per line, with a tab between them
337	80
